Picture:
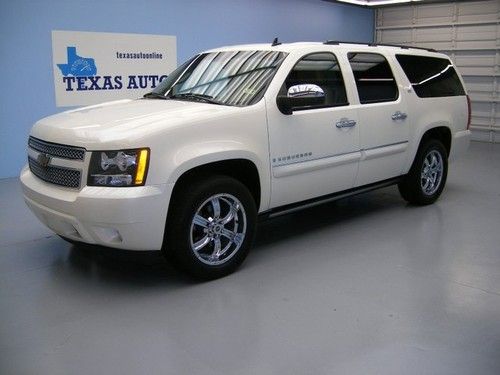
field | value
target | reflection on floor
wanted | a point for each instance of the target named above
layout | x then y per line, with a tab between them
367	285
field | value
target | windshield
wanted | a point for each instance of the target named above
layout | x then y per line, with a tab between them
237	78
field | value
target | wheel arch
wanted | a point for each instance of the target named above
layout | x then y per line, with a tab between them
440	131
241	169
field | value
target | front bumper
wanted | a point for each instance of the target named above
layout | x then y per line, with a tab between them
130	218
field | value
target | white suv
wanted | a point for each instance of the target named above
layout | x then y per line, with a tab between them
243	131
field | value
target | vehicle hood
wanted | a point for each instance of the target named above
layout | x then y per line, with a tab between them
124	123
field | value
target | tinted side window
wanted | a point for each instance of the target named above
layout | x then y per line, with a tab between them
321	69
374	78
431	76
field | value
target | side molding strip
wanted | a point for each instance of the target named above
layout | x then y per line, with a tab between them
299	167
313	165
380	151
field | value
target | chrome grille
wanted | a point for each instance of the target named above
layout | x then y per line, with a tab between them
56	175
57	150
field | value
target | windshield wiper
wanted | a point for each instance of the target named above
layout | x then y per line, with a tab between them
154	95
192	95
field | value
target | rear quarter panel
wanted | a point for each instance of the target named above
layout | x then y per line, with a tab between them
427	113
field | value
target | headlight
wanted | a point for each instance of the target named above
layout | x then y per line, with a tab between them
118	168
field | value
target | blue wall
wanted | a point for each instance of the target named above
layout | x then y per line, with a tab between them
27	91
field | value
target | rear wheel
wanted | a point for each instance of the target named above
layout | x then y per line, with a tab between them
210	227
425	181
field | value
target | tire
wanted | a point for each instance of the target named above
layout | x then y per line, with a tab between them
210	227
426	179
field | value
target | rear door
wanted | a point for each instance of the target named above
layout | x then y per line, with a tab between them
382	115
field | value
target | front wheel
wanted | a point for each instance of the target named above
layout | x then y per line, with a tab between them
210	228
425	181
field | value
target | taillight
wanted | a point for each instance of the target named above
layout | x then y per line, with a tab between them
469	114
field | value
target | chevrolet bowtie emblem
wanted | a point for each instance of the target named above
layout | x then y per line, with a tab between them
43	160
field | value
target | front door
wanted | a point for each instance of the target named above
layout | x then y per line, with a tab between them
315	150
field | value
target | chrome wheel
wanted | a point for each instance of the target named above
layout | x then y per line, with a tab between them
218	229
432	172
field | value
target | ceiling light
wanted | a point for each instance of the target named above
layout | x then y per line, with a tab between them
371	3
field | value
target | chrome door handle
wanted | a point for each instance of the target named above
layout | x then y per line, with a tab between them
399	116
345	123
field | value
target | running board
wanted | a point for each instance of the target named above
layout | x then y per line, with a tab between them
289	208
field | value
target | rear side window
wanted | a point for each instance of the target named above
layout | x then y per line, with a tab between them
430	76
374	78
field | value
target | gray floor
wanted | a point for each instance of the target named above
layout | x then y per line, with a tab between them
367	285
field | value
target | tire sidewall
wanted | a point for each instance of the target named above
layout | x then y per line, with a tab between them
432	145
177	245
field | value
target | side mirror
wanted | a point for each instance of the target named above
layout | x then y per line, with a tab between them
306	95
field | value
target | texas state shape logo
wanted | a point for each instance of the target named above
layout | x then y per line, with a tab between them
77	66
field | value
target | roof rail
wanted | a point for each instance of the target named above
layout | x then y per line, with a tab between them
337	42
402	46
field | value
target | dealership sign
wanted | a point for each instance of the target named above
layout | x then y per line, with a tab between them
91	68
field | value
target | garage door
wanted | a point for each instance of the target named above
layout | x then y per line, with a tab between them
469	32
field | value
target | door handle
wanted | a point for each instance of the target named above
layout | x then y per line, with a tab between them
345	123
399	116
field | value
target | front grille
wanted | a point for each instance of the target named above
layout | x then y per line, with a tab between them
57	150
56	175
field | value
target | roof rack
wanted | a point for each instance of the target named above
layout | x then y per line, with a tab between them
337	42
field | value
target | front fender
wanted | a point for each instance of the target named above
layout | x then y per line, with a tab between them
235	133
